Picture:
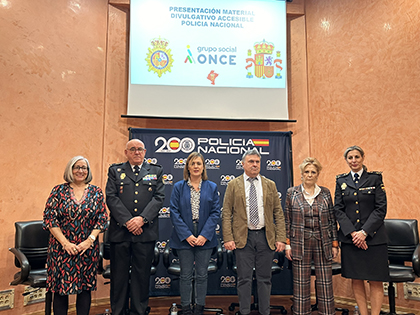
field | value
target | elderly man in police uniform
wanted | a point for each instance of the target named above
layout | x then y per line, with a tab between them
134	195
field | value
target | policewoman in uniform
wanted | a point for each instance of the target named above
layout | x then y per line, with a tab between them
134	196
360	209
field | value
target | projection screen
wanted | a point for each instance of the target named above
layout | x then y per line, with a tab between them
210	59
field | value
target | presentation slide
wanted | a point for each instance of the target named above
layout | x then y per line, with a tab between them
210	58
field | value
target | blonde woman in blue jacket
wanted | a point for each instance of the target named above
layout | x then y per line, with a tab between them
195	211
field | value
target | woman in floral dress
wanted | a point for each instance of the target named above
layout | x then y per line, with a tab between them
75	214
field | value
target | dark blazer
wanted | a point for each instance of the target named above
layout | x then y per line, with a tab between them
362	208
127	197
295	222
234	216
181	215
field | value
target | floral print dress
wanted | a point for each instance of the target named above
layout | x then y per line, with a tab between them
70	274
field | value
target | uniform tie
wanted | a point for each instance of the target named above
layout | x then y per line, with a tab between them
136	171
253	203
356	179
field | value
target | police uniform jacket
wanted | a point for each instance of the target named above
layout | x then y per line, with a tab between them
127	197
295	221
361	208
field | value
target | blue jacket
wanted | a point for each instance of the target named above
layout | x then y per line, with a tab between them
181	215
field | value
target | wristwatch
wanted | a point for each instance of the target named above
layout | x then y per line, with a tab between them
92	237
364	233
144	220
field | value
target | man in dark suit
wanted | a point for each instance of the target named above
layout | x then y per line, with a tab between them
253	225
134	195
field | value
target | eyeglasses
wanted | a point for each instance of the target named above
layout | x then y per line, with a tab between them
80	168
133	149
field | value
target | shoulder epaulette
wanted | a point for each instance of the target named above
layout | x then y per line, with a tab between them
375	172
155	164
115	164
341	175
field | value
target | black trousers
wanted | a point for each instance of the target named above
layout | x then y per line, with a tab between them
61	303
256	254
130	276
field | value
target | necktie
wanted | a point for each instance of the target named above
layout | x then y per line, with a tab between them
136	171
356	179
253	203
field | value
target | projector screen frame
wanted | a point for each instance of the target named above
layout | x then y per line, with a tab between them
212	104
205	118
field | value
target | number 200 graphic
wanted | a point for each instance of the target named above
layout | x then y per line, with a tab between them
174	145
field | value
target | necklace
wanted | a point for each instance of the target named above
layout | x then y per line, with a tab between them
77	203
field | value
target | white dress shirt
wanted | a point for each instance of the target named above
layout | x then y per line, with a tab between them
359	172
133	166
310	199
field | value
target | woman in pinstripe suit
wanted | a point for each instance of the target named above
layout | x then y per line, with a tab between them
311	237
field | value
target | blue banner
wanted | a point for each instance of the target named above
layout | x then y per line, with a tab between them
222	151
